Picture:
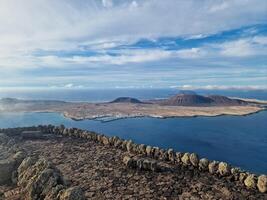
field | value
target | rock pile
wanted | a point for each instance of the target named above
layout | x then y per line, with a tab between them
142	164
150	157
8	168
41	180
37	179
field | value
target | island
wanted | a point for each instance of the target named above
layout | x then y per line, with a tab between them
180	105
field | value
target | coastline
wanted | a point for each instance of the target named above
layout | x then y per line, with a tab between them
187	115
127	107
110	117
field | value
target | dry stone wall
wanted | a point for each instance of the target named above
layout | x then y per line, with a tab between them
150	157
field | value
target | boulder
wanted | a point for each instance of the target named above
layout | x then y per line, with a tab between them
123	145
148	150
262	183
186	159
105	140
235	172
142	148
65	131
163	155
55	192
129	162
134	148
73	193
147	164
61	128
203	164
154	166
213	167
194	159
111	141
84	134
99	138
224	169
178	157
156	152
171	155
39	179
129	146
242	177
89	136
19	157
118	143
7	167
250	182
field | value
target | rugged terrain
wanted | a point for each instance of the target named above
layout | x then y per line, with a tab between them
181	105
112	168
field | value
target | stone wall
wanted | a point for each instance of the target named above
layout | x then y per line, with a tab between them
153	155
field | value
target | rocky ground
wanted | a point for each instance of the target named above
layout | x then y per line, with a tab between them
101	172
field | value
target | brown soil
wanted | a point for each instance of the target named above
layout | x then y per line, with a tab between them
99	170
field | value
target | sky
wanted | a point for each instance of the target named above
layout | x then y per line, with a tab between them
133	44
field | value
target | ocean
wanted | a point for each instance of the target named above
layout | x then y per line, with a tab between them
100	95
239	140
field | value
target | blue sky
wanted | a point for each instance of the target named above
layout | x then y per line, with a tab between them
133	44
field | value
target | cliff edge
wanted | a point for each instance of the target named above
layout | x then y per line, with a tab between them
112	168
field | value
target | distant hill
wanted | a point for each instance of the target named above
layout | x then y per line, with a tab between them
9	100
199	100
21	101
126	100
223	100
186	100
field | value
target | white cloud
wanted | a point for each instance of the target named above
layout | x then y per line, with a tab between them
137	56
47	24
133	5
261	40
66	25
219	7
126	56
221	87
244	47
69	85
191	53
107	3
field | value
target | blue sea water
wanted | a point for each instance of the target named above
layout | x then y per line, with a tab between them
100	95
239	140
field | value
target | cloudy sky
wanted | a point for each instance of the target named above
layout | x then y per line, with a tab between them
133	43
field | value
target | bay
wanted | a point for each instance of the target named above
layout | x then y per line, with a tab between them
239	140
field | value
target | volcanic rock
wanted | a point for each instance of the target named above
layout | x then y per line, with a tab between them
203	164
213	167
262	183
223	169
187	100
126	100
186	159
194	159
250	181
